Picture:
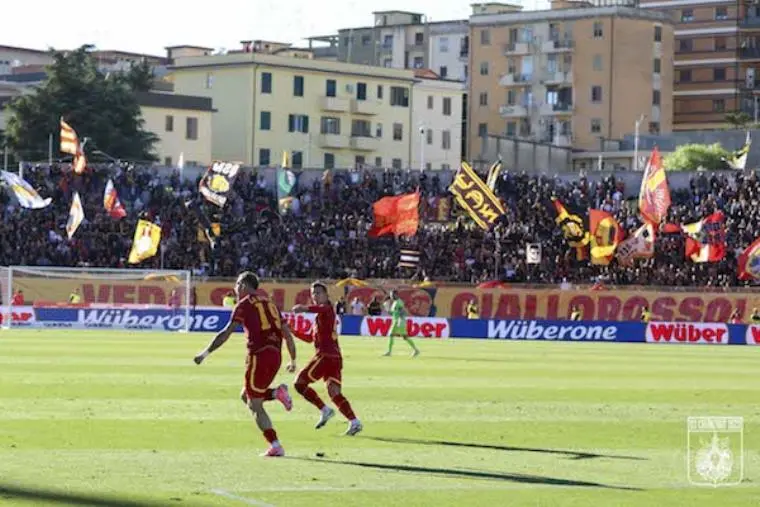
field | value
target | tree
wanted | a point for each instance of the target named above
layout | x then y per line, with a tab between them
738	120
103	108
690	157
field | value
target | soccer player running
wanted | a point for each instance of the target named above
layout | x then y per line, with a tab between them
398	325
264	331
327	363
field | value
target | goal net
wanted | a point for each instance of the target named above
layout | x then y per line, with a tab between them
81	298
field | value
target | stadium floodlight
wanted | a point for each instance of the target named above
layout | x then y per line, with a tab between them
102	288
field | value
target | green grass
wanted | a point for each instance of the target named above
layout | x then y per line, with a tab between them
128	417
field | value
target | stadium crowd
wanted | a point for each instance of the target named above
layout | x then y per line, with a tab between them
324	233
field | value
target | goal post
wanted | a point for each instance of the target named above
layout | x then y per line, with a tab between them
92	291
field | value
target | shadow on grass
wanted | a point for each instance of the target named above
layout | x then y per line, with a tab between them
472	474
575	455
38	496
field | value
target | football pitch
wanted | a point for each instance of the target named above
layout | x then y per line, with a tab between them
114	418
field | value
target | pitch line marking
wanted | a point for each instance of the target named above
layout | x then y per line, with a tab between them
249	501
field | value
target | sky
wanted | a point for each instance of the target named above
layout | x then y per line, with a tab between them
148	26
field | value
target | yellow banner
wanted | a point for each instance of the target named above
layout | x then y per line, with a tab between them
475	197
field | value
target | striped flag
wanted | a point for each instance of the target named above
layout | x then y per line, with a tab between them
493	175
76	215
409	259
654	196
70	144
111	202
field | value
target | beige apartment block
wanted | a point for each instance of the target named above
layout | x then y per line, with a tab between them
325	114
571	75
717	59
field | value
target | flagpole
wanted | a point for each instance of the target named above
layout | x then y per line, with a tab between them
5	157
50	149
636	144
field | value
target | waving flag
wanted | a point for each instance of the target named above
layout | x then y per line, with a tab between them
216	184
706	239
26	195
475	197
146	241
640	245
738	159
111	202
70	144
606	235
493	175
397	215
749	262
76	215
654	196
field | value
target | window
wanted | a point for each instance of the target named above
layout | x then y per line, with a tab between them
361	91
445	140
361	128
330	88
654	127
296	159
511	97
264	156
482	129
658	34
359	161
485	38
191	129
598	29
430	103
329	161
484	98
596	125
387	41
168	161
447	106
379	92
684	76
597	62
399	96
329	125
443	45
656	97
169	124
419	39
266	82
366	39
428	166
719	74
298	123
429	136
719	105
378	161
720	43
398	132
483	68
418	62
265	120
596	94
721	13
444	72
379	130
387	63
396	163
511	128
687	15
298	86
685	45
209	81
657	65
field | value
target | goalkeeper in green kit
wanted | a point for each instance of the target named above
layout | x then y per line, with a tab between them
398	324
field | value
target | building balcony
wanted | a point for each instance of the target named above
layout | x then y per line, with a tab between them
517	48
335	104
557	46
750	22
386	49
563	140
514	79
365	107
555	109
749	53
464	54
359	143
335	141
559	78
415	47
514	111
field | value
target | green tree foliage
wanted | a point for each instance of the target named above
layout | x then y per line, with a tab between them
738	120
102	107
690	157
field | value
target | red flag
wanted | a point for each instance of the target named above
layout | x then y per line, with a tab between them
397	215
606	235
111	202
749	262
654	196
70	144
706	239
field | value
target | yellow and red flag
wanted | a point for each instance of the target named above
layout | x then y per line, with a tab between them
749	262
70	144
706	239
111	202
397	215
606	235
654	196
146	241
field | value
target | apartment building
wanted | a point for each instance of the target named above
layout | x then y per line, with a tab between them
717	59
326	114
12	57
571	75
408	40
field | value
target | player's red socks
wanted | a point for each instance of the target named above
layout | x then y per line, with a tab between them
344	406
270	435
310	395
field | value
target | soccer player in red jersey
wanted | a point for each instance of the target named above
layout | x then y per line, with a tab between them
327	363
264	331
